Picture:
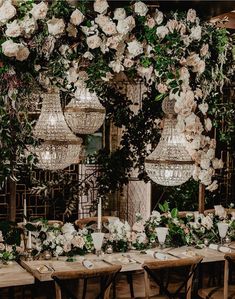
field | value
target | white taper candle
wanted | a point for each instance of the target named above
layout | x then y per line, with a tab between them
99	214
25	211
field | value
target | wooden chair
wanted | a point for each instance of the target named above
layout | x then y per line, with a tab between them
52	222
81	223
106	275
225	292
169	286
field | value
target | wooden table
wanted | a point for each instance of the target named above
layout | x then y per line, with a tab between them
14	275
117	258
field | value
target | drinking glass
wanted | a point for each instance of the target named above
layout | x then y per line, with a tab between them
223	228
97	241
161	235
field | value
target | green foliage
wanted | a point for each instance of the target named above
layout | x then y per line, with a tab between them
10	232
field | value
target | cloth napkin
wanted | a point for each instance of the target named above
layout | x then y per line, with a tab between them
217	247
87	264
157	255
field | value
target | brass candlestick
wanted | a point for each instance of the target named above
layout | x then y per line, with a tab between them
29	256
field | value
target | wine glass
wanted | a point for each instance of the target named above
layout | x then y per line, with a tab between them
97	241
223	228
161	235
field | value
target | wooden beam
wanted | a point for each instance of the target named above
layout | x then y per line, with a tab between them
201	198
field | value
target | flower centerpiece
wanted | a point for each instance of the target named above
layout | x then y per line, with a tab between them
139	239
119	235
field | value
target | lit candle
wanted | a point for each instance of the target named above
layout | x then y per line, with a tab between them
25	211
99	214
29	240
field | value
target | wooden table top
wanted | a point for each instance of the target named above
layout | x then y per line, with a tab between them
14	275
130	261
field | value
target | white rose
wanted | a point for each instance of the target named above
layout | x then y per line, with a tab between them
172	25
210	153
145	72
56	26
7	12
162	88
208	124
13	29
22	53
205	177
125	26
191	15
207	221
217	163
76	17
39	11
158	17
107	26
114	41
72	75
162	31
29	25
213	186
150	22
199	67
203	108
135	48
184	74
128	62
205	163
140	8
193	59
119	14
116	66
204	50
88	55
196	33
94	41
9	48
101	6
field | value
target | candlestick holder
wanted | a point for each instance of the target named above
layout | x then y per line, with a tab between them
28	256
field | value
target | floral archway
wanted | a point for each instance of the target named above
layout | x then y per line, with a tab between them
70	44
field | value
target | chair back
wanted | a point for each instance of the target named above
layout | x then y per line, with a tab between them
107	275
52	222
229	263
185	268
81	223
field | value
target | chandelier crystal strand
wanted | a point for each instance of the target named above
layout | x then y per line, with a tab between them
60	147
84	114
170	163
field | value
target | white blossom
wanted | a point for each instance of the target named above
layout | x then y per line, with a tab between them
93	41
23	53
158	16
101	6
119	14
203	108
162	31
196	33
7	12
55	26
14	29
135	48
39	11
140	8
125	26
191	15
76	17
9	48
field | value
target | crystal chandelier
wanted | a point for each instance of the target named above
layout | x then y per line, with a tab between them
60	147
170	163
84	114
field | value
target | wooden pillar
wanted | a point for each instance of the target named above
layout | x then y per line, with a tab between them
201	198
12	203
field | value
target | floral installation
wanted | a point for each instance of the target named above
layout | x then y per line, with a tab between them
9	244
177	56
119	235
139	239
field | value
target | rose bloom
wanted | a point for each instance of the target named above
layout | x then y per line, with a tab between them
114	41
205	177
208	124
125	26
158	16
108	77
193	59
145	72
204	49
78	241
29	25
56	26
162	88
135	48
213	186
162	31
210	153
107	26
191	15
116	66
138	227
140	8
203	108
196	33
101	6
172	25
14	29
205	163
76	17
150	22
198	93
94	41
67	247
119	14
184	74
39	11
9	48
72	30
7	12
207	221
22	53
128	62
217	163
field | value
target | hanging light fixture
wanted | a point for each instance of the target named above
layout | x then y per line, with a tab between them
170	163
84	114
60	147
